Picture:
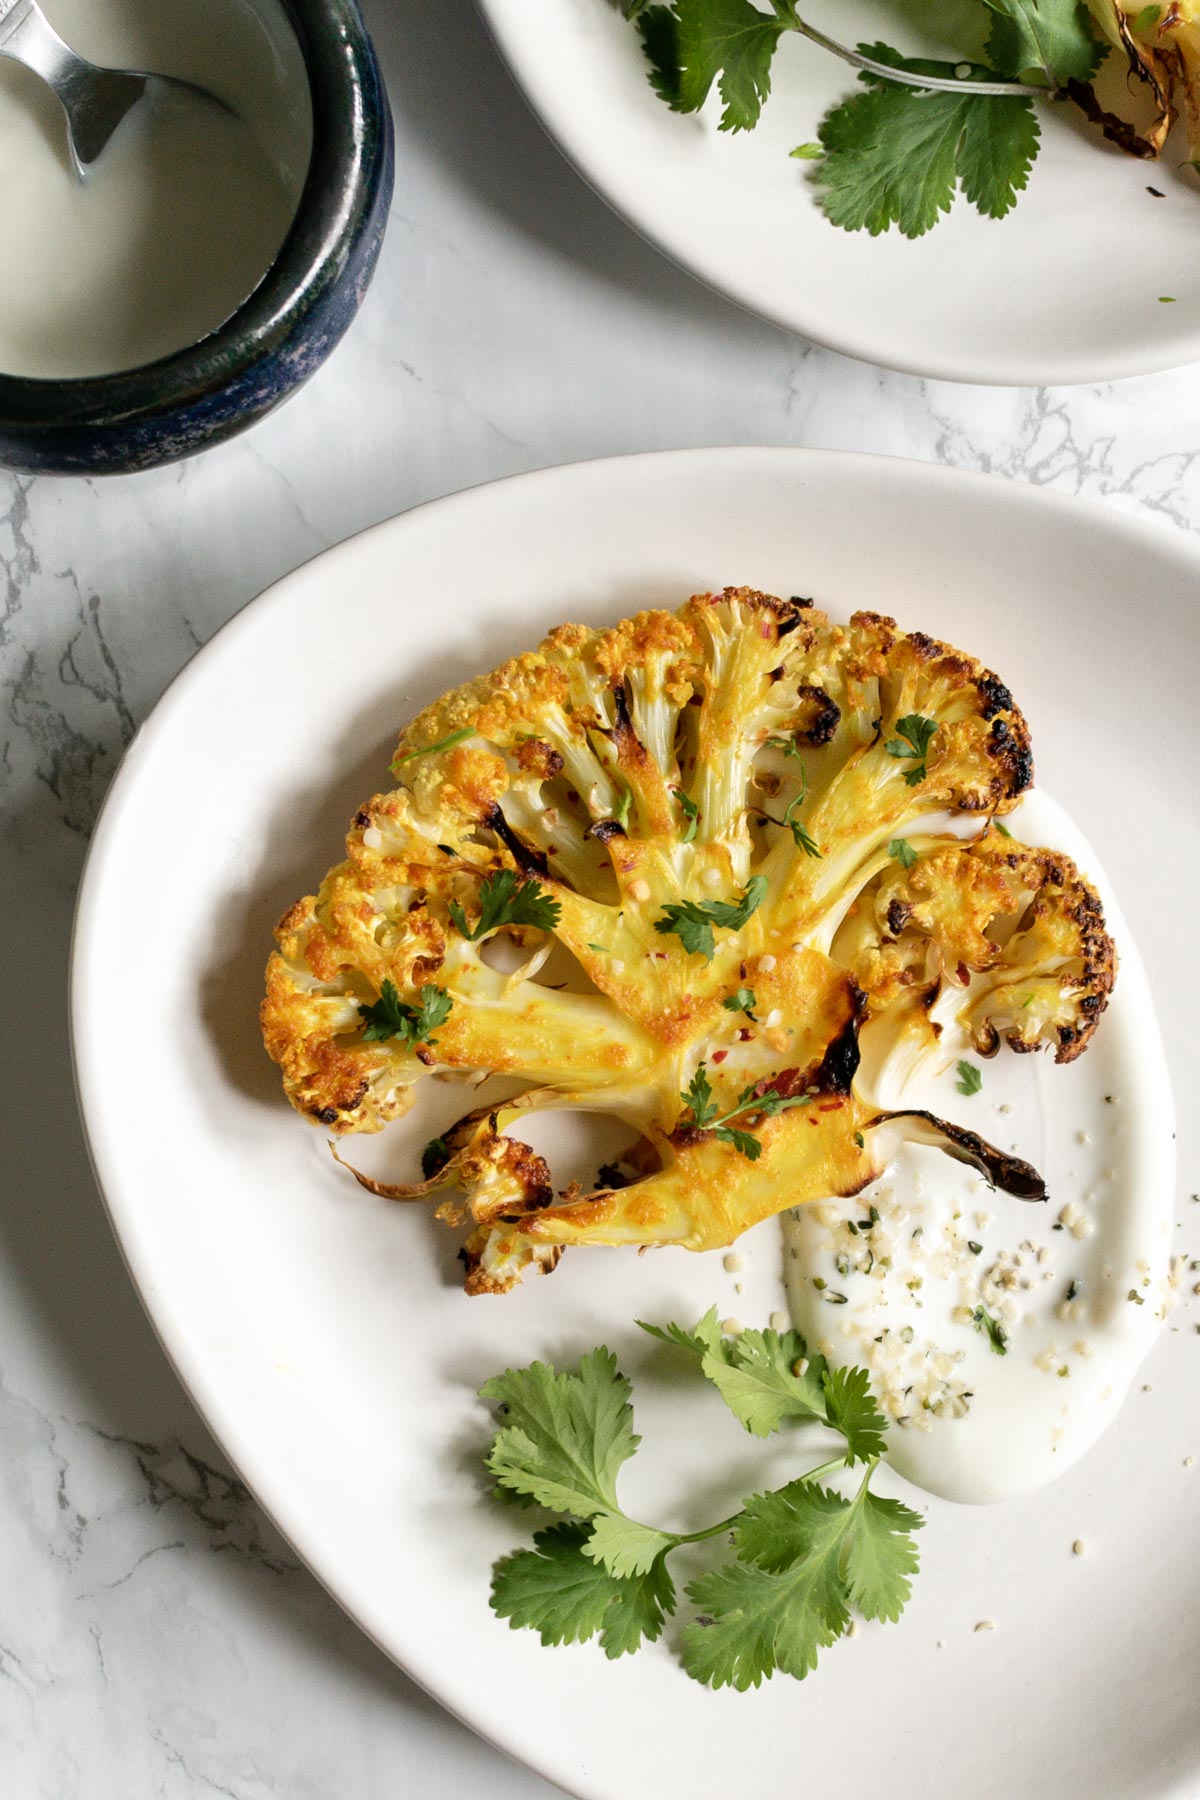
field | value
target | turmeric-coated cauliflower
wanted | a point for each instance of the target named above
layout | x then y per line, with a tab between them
739	821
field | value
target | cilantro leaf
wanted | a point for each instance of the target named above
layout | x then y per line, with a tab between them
434	1157
691	813
743	1141
691	926
455	737
916	733
801	836
625	1547
902	850
896	155
996	152
693	43
765	1377
772	1101
743	1001
638	1609
704	1339
623	808
882	1558
554	1588
698	1095
566	1597
392	1017
994	1331
562	1437
753	1623
850	1408
970	1079
777	1530
506	898
692	921
1052	37
806	1555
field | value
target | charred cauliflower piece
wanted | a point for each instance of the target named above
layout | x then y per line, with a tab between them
974	945
1162	47
693	814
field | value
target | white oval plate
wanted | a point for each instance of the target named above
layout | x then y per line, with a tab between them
1067	288
323	1333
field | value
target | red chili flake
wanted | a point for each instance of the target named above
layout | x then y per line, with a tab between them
831	1106
744	1034
719	1055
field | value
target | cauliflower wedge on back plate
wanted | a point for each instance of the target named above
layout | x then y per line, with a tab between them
738	820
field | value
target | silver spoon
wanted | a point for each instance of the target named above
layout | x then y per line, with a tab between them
95	100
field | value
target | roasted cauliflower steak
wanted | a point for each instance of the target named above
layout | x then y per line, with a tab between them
765	840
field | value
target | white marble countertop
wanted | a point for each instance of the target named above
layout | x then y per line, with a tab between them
156	1638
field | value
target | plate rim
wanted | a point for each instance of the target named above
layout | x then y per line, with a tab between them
1018	370
206	1397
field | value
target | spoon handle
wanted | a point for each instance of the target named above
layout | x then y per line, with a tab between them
12	14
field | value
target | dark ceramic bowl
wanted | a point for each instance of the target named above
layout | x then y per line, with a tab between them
112	424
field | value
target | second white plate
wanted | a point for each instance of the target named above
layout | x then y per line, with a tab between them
1091	277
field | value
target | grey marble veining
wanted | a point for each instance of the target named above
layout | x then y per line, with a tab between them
156	1638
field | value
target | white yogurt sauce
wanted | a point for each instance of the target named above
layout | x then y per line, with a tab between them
185	211
1079	1285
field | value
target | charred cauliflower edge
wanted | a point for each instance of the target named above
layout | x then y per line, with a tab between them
734	819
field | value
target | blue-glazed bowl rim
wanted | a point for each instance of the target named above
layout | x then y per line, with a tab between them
346	91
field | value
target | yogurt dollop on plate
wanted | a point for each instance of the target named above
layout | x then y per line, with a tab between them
1001	1335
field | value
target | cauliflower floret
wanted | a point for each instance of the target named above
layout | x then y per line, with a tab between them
1008	942
698	808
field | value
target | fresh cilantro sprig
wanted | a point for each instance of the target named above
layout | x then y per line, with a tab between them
898	151
692	921
902	851
804	1558
752	1106
801	836
916	733
506	898
743	1001
392	1017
